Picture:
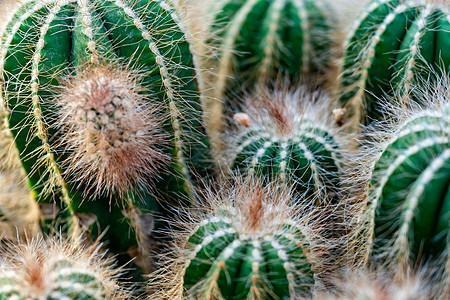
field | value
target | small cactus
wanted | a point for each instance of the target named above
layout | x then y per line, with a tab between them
102	105
248	242
288	136
56	269
408	170
392	45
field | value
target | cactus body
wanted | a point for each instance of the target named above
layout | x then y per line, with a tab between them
258	39
392	45
54	270
409	190
100	156
241	267
246	241
289	138
250	245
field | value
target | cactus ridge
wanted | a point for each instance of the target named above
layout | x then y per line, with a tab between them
257	39
287	140
410	212
390	47
46	42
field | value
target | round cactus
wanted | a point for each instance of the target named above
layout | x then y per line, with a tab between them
288	136
246	242
409	198
394	43
101	101
54	269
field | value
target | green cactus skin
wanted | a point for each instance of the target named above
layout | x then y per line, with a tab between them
392	45
410	195
257	39
46	40
291	140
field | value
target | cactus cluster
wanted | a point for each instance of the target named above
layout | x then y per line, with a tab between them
108	109
288	136
101	104
392	46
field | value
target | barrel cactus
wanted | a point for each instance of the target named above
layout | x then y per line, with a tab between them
246	242
409	198
391	46
101	102
56	269
288	136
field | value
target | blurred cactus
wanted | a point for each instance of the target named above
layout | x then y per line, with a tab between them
392	44
246	242
289	136
258	39
101	102
408	166
56	269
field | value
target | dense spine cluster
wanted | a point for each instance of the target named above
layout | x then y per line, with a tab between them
100	97
289	136
409	197
56	270
392	46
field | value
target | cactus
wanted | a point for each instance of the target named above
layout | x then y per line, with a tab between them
394	43
56	269
408	166
101	102
289	136
246	242
264	38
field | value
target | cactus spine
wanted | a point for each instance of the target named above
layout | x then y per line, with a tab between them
409	196
289	136
54	269
246	242
57	61
391	46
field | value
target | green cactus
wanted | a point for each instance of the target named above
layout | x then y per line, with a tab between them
101	101
289	136
258	39
53	269
246	242
409	196
392	45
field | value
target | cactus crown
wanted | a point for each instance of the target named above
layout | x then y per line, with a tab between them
57	269
288	136
115	138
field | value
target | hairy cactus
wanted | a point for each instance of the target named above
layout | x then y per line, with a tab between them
56	269
408	166
246	242
394	43
100	97
288	136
